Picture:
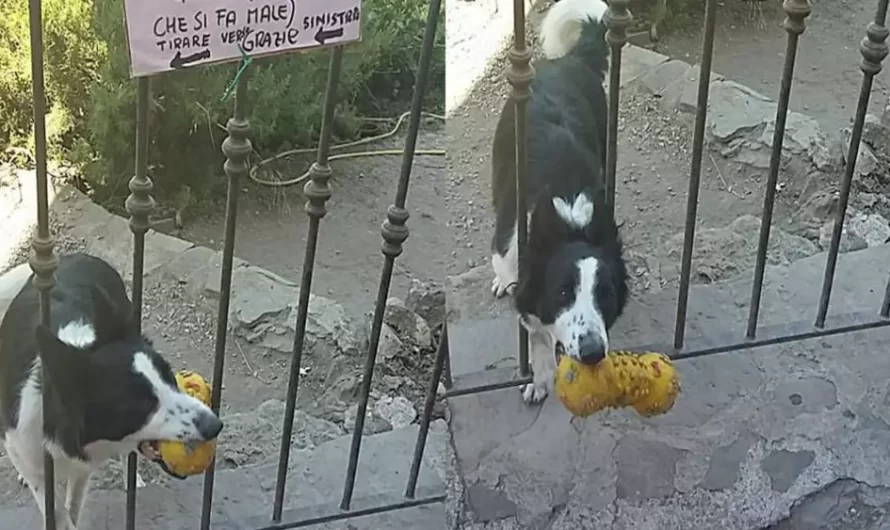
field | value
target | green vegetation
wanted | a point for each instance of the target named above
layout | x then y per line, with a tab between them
91	98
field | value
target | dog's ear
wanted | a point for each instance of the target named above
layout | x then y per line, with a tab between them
546	225
113	322
602	228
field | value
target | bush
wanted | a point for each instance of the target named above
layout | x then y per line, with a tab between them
93	98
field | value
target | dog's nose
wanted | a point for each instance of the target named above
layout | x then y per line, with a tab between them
591	349
209	425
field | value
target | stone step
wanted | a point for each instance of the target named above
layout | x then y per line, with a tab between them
244	496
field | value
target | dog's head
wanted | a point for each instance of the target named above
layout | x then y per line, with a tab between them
572	280
121	392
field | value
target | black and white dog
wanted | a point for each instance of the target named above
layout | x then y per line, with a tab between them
110	392
571	285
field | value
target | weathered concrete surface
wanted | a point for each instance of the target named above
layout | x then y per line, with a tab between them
243	497
755	436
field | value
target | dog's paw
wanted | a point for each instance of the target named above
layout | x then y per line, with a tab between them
22	480
534	394
140	483
500	287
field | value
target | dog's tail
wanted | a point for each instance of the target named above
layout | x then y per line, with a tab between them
575	26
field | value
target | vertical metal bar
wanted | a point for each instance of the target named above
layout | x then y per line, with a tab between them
442	353
447	379
317	191
701	116
139	205
617	20
797	11
43	261
873	50
520	76
885	305
394	234
237	149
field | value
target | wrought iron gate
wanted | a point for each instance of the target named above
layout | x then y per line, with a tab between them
394	232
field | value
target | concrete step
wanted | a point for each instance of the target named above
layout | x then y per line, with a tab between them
244	496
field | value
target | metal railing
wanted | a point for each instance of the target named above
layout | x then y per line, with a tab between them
237	147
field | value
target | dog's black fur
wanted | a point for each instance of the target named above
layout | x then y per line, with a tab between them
567	121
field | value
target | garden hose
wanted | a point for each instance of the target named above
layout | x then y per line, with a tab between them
342	156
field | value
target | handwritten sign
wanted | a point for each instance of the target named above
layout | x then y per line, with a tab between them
167	35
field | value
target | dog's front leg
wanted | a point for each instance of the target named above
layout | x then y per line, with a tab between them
544	367
78	483
34	478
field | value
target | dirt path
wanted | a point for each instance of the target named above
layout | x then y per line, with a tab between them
750	49
272	225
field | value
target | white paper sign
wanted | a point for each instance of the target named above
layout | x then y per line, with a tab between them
168	35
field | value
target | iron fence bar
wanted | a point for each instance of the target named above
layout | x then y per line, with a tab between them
442	353
873	49
885	305
394	234
317	191
237	148
43	261
769	336
617	20
447	378
701	116
520	76
488	387
139	205
797	11
341	516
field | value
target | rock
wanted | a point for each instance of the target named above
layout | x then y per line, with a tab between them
849	242
866	161
783	467
428	301
723	252
390	345
872	228
397	411
725	463
407	324
860	231
342	390
253	437
374	424
264	310
876	134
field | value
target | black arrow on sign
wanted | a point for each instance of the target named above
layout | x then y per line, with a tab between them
321	35
178	61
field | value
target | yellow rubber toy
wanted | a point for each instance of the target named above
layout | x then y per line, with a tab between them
647	382
177	456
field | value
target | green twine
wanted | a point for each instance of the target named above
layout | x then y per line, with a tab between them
245	62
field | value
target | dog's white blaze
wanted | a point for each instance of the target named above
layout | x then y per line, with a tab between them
78	334
583	316
177	411
578	214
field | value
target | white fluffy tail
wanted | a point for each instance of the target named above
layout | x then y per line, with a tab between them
561	28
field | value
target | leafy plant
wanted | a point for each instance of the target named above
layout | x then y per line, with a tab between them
92	97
